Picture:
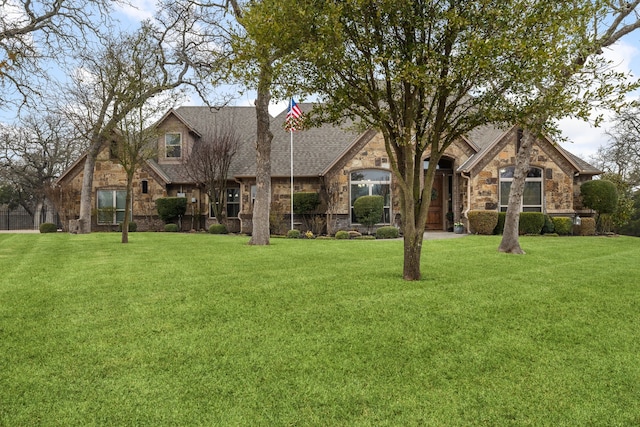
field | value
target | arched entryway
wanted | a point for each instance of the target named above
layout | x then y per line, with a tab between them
441	195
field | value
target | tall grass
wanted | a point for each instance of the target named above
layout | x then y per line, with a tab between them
180	329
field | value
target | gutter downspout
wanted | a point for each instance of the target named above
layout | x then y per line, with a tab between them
468	207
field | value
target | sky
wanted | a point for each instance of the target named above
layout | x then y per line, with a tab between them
583	138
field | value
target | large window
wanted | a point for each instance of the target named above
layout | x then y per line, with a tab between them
111	204
173	145
232	203
532	194
372	182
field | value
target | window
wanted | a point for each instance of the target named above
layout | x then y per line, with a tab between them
145	186
173	145
532	194
372	182
233	203
111	204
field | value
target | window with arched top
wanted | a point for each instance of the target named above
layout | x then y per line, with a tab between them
371	182
532	194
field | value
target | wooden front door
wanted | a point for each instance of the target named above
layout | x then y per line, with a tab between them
434	218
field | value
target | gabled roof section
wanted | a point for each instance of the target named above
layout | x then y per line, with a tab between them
179	117
487	137
314	150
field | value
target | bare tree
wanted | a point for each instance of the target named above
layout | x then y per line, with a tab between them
106	89
209	162
33	154
34	31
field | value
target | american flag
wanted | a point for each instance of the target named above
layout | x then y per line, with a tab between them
293	121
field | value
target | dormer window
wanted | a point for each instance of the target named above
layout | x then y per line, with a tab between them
173	145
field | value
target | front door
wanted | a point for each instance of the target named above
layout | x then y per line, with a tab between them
434	218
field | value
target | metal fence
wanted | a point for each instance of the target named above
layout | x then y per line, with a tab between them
20	219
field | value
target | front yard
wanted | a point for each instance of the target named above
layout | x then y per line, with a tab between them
196	329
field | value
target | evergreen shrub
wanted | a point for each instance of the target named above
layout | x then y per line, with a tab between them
387	232
218	229
132	226
502	216
588	227
563	225
304	203
368	210
483	222
293	234
48	227
170	208
531	222
548	227
172	228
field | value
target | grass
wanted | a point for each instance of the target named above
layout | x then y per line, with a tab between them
195	329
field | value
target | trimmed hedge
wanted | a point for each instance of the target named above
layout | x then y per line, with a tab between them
588	227
48	227
218	229
563	225
531	222
171	228
548	227
387	232
483	222
340	235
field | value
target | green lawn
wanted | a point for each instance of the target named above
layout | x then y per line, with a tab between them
195	329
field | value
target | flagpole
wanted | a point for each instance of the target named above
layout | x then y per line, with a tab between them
291	152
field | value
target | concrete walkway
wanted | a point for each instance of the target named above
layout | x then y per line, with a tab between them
435	235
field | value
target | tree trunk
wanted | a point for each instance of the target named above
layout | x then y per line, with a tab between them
412	253
84	221
260	233
510	242
127	210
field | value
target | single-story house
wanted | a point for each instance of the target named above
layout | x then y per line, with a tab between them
339	163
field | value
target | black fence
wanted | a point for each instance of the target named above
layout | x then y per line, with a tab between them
20	219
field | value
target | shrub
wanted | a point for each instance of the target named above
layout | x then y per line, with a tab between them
132	226
548	227
293	234
502	216
170	208
218	229
342	235
304	203
563	225
588	227
172	228
599	195
368	210
387	232
483	222
48	227
531	222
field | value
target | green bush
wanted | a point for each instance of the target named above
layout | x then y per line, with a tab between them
342	235
531	222
387	232
172	228
502	216
483	222
47	227
293	234
132	226
548	227
588	227
368	210
562	225
170	208
218	229
599	195
304	203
